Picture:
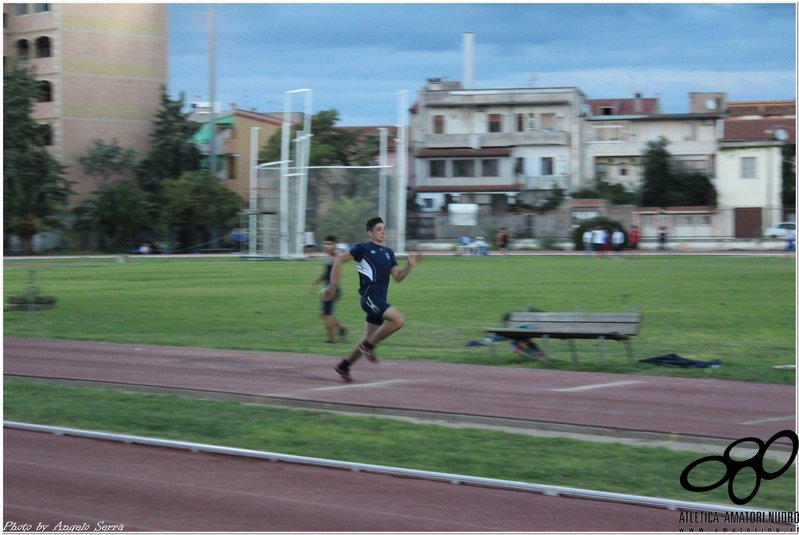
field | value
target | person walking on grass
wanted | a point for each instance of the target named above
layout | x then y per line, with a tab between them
376	264
331	323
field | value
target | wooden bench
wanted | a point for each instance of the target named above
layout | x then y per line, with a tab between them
571	326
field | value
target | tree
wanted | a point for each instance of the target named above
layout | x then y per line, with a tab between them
106	160
198	203
668	183
172	153
345	219
615	193
35	192
118	211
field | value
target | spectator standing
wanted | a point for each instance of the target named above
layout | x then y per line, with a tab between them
662	238
635	237
502	239
618	242
588	237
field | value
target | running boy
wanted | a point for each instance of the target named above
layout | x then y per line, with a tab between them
331	323
375	264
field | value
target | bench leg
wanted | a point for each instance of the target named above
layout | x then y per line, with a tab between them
629	347
573	351
602	348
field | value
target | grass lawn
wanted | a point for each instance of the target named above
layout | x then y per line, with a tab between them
737	309
607	467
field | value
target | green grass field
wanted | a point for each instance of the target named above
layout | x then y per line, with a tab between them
737	309
598	466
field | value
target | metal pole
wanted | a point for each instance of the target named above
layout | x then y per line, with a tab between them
252	233
303	157
284	170
212	83
383	162
402	171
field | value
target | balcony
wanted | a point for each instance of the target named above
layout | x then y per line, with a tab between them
546	182
498	139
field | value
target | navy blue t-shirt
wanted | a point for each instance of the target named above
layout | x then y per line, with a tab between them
374	268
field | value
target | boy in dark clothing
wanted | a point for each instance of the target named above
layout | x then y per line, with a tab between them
331	323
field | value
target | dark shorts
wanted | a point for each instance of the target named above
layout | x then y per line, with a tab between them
374	307
327	306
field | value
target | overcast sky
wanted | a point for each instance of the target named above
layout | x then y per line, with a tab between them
356	57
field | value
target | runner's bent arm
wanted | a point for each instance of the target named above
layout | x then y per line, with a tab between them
400	274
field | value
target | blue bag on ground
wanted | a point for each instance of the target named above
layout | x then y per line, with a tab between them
681	362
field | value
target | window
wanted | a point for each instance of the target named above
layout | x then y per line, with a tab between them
438	124
546	166
42	8
43	47
428	203
748	167
438	168
494	122
5	20
623	169
689	132
20	9
606	110
45	91
608	133
491	167
462	168
519	167
531	122
602	171
22	48
520	122
46	131
548	121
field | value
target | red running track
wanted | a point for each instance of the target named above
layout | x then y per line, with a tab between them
52	479
699	407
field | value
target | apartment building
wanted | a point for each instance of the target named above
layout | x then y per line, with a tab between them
749	177
232	141
494	147
618	130
102	67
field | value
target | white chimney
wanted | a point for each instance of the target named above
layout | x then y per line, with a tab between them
468	60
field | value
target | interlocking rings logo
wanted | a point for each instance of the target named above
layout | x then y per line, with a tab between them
733	467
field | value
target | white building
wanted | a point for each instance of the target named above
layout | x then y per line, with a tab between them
618	131
494	147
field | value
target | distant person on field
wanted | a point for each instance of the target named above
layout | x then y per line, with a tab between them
662	238
481	246
588	238
331	323
502	239
618	241
376	264
790	241
635	237
598	239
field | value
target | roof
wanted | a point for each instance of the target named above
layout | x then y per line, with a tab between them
203	134
625	106
463	152
502	188
758	129
763	108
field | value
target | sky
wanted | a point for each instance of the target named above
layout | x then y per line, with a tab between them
356	57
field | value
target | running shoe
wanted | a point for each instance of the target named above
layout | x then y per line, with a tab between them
344	374
368	353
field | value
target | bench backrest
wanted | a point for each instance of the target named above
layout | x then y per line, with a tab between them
624	323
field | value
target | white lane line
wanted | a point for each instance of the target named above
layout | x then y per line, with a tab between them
362	385
591	387
792	417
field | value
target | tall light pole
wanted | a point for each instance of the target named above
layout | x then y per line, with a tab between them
212	83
